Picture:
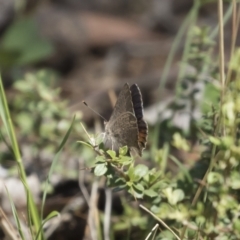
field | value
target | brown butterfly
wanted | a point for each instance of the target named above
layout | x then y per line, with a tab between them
126	126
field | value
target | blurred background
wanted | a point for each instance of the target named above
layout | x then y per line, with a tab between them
56	53
93	46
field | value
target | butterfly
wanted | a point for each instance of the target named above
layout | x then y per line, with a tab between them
126	126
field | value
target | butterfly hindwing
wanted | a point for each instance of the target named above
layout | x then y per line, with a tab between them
138	110
123	131
126	126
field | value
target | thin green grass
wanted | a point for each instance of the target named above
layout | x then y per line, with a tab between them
54	163
193	15
8	126
33	216
15	215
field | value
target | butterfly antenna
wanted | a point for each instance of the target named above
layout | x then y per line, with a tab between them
94	111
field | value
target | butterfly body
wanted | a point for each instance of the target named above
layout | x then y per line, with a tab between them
126	126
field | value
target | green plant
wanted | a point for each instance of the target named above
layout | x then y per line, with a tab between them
40	117
200	201
21	45
203	202
40	99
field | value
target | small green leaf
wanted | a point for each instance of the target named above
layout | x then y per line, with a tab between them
135	193
235	180
155	209
179	142
125	160
111	153
100	159
214	177
227	141
131	172
215	140
25	122
174	196
177	196
139	187
100	169
22	86
123	150
140	171
150	193
129	183
236	224
160	185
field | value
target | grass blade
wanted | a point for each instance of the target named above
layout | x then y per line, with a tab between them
7	121
55	160
15	215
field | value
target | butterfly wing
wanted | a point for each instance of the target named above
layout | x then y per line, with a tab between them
126	126
123	104
138	111
123	131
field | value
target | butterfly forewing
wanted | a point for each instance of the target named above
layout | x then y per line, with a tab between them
123	104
